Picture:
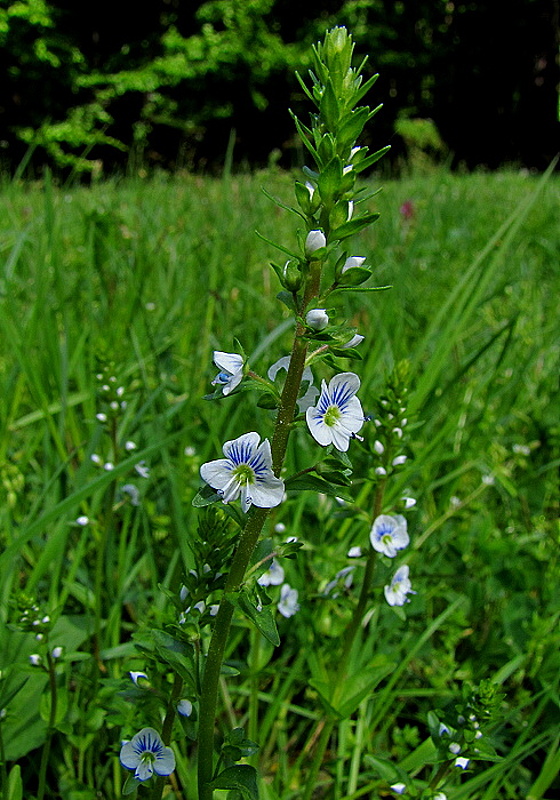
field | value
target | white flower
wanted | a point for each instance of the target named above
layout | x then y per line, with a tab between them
310	188
398	788
130	445
440	796
400	586
231	370
351	262
136	677
354	552
184	707
314	241
288	605
101	417
462	762
378	447
398	460
83	520
35	659
338	415
57	652
311	393
274	575
132	493
354	341
409	502
142	469
145	753
95	458
245	471
455	748
344	577
389	534
317	318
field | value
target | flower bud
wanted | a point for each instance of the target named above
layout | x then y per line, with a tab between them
291	276
353	261
317	318
315	241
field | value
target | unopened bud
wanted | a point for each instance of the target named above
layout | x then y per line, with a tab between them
315	241
317	318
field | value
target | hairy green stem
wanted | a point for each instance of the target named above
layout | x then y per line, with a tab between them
245	548
50	729
328	721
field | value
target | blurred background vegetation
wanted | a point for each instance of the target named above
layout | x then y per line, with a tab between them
99	86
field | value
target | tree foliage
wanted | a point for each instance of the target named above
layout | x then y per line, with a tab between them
89	85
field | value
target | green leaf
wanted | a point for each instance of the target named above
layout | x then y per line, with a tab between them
361	289
352	126
262	616
330	179
268	400
130	786
372	159
312	483
205	497
15	786
329	106
355	276
385	769
353	226
242	778
362	683
288	299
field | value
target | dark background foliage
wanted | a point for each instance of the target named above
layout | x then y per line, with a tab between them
103	85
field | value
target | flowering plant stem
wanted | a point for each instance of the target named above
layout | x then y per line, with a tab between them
50	729
168	728
327	723
247	542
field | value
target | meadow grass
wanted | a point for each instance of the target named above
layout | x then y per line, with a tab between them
147	278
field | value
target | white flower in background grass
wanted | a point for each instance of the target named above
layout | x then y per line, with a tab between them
288	605
398	788
338	415
389	534
231	370
145	753
311	392
274	575
245	471
400	586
